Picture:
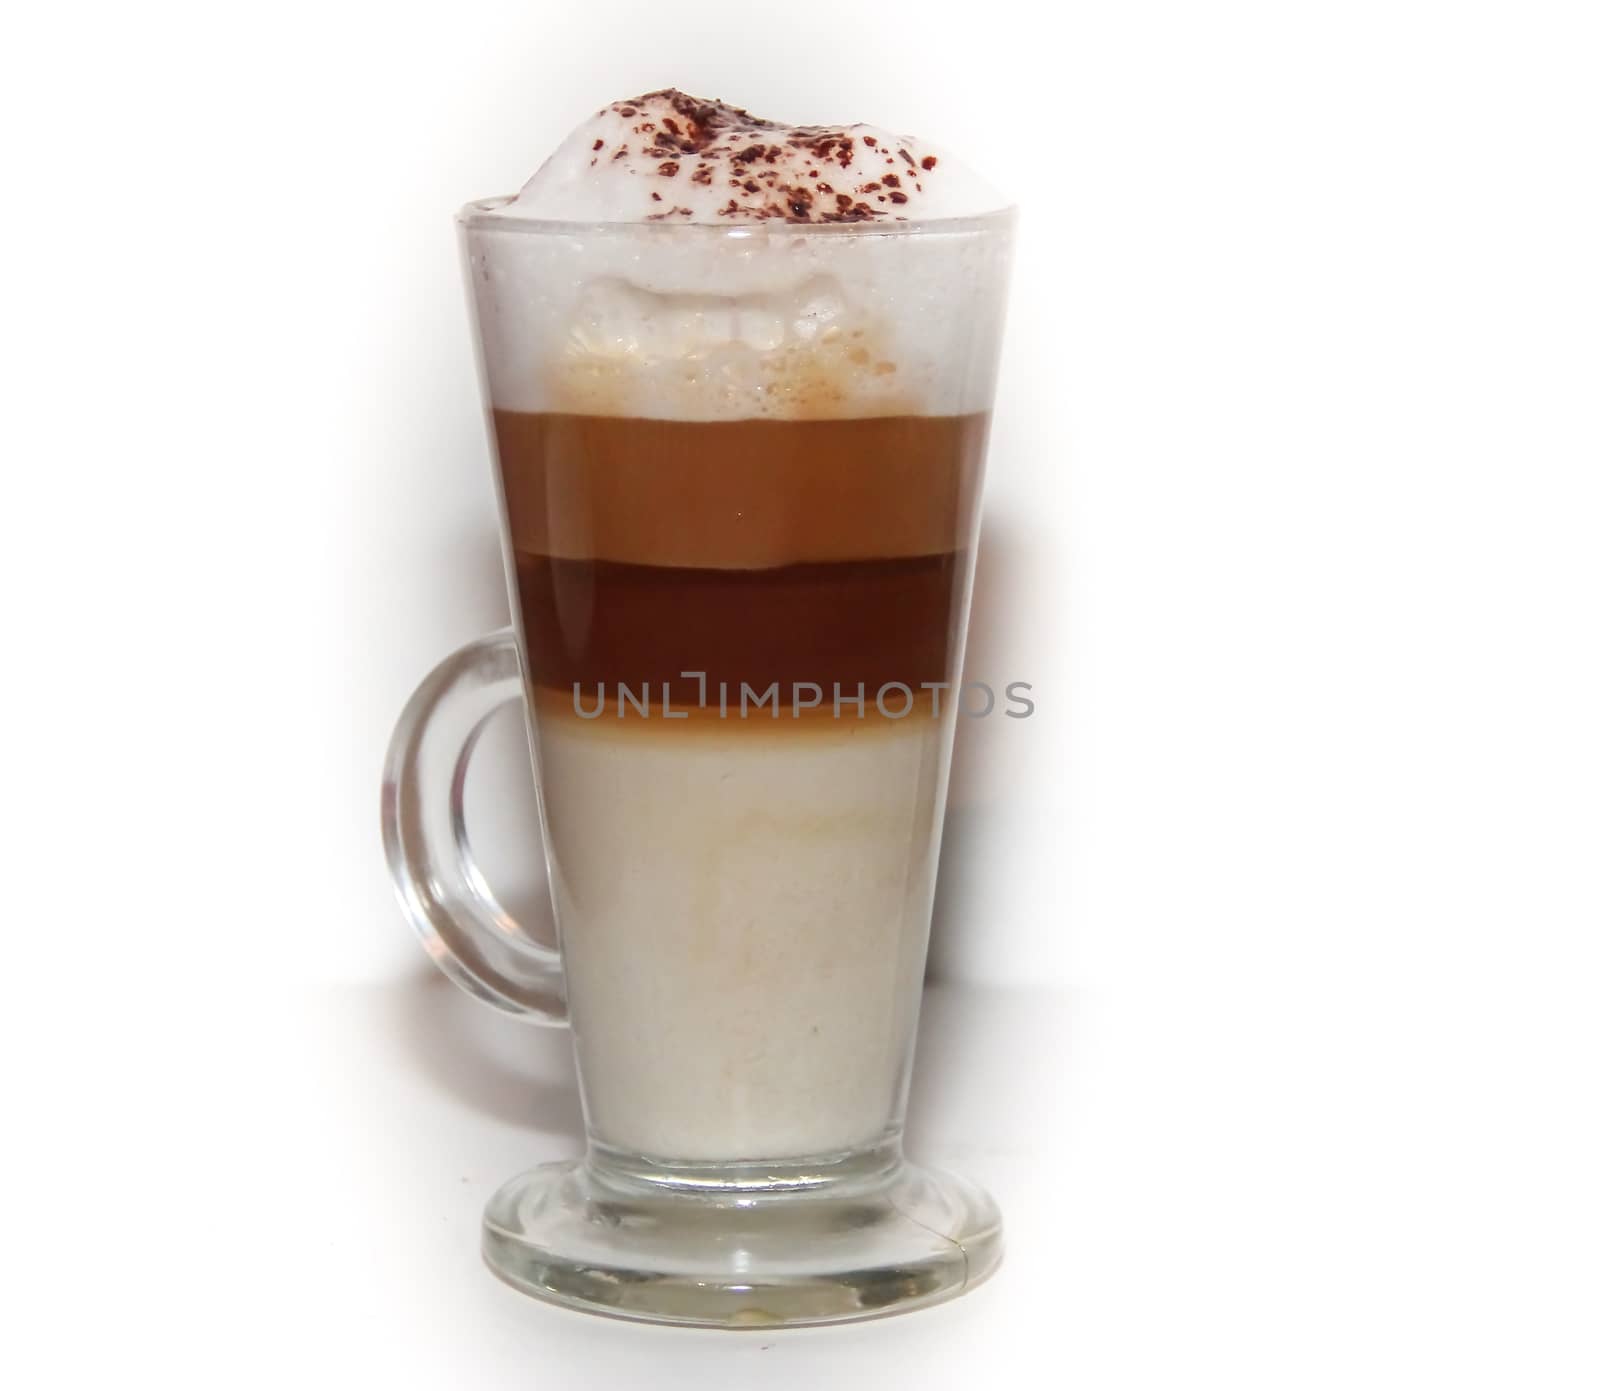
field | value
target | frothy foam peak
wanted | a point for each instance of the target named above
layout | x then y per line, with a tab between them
668	157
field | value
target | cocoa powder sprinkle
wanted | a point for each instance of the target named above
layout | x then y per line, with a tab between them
675	130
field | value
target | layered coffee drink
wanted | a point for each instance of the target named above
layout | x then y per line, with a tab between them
740	447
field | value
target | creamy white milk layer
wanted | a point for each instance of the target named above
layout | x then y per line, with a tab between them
744	925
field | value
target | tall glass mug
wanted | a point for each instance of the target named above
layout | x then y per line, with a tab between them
740	469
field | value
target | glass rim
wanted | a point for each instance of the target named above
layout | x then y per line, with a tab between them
483	215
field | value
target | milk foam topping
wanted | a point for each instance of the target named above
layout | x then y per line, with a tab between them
682	259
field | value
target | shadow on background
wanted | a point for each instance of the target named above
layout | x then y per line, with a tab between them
964	858
518	1073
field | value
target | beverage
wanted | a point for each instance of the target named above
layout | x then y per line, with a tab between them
739	377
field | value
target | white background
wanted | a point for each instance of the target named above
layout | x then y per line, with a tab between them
1267	949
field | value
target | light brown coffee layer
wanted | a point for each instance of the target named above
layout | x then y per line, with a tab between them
739	495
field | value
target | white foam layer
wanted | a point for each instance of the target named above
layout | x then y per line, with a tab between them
744	924
671	157
700	315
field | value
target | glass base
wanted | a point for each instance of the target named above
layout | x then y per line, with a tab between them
738	1247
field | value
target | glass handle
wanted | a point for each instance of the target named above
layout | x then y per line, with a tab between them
470	937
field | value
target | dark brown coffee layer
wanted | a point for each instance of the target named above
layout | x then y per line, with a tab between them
856	622
742	494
